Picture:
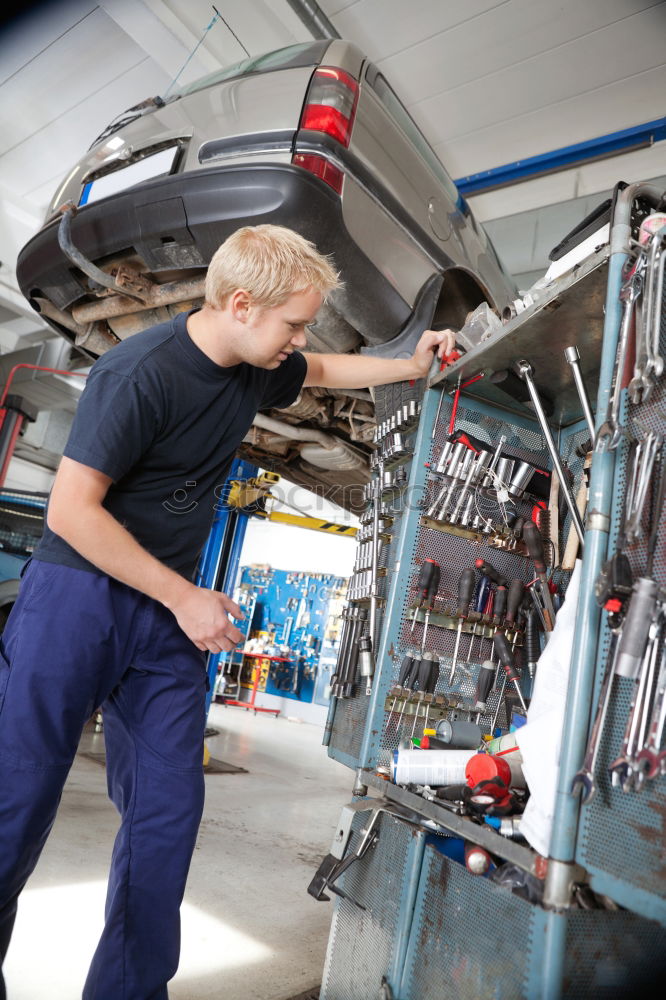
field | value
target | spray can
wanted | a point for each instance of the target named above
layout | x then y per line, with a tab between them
430	767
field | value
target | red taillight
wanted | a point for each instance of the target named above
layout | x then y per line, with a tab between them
320	167
330	105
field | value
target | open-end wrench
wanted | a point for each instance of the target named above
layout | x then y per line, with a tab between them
648	760
638	382
656	320
623	768
644	717
611	432
654	364
648	453
583	780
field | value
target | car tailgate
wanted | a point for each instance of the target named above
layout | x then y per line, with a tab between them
250	109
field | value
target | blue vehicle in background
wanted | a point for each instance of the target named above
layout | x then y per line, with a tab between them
21	524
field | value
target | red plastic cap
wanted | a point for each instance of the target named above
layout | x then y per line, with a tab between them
614	605
484	766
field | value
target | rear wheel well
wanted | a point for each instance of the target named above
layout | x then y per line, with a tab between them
460	294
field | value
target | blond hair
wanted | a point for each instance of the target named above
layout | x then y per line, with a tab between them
270	263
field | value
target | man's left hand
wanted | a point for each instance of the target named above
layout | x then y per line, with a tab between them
439	341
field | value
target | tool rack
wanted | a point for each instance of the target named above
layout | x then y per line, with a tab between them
410	921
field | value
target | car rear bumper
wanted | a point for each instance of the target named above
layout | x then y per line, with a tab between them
177	223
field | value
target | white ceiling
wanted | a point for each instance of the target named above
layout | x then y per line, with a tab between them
489	81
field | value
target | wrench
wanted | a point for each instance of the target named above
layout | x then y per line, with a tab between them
639	382
649	759
623	768
654	364
641	734
646	459
583	780
610	433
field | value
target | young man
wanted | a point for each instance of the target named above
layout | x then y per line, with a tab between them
107	613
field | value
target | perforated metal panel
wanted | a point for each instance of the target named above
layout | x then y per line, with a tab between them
454	554
612	954
470	939
349	721
621	834
362	945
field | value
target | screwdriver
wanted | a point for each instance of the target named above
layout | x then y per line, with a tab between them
484	684
405	671
432	588
424	679
428	576
465	591
408	686
514	598
481	597
508	662
432	684
534	542
499	605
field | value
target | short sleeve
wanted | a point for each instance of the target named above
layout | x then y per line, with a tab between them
284	384
113	426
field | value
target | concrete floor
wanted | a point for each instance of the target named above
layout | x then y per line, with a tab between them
250	930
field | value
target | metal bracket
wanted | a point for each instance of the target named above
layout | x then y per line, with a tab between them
335	863
558	886
596	521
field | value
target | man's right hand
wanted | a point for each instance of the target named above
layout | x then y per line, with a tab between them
203	616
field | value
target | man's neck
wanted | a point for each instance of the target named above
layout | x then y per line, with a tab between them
206	329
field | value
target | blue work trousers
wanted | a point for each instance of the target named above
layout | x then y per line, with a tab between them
76	641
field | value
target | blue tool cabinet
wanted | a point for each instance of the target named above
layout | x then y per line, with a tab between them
414	923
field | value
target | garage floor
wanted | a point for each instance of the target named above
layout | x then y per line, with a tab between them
250	931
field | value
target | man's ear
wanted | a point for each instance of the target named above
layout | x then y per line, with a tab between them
240	304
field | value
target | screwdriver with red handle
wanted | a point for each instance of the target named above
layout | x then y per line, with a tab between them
428	585
505	654
465	591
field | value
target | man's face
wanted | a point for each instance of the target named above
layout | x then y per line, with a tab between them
273	334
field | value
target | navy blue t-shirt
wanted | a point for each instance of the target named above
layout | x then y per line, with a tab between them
164	422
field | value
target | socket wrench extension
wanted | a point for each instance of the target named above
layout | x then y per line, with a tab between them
526	372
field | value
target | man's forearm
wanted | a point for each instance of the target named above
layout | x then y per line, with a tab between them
357	371
103	541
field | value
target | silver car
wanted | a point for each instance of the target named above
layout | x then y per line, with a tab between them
313	137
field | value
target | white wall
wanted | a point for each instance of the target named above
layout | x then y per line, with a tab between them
290	548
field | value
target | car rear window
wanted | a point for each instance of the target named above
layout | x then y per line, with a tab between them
291	57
